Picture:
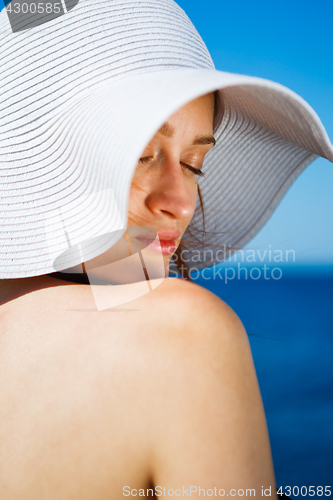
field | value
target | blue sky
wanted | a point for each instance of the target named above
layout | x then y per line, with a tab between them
290	42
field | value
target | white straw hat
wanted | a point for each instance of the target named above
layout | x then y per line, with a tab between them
84	91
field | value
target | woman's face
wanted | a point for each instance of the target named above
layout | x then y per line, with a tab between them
164	187
162	197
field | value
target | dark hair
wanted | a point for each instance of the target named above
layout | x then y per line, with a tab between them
182	266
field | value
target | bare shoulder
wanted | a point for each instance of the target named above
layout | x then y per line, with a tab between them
198	333
191	327
200	328
209	425
197	311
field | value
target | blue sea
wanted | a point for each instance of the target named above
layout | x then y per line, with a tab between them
289	322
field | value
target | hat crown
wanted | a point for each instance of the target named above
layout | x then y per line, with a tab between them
56	148
118	37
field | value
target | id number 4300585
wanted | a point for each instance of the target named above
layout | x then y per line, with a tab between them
305	490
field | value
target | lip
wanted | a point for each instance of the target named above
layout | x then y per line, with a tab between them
163	246
168	235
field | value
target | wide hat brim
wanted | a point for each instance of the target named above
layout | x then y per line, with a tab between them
67	160
83	161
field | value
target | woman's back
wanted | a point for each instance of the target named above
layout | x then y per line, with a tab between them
71	423
96	404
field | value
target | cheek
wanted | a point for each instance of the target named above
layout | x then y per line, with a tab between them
135	198
140	189
193	196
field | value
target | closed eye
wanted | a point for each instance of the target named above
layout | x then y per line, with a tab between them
196	171
146	159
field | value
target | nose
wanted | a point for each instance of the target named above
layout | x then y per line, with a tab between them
172	193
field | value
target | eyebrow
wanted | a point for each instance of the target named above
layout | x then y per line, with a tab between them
168	131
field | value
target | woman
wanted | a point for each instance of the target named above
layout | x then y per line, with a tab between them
160	392
164	391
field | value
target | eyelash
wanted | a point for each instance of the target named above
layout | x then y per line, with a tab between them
196	171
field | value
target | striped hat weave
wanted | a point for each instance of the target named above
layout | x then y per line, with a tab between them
85	86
